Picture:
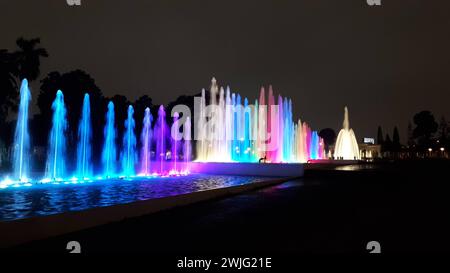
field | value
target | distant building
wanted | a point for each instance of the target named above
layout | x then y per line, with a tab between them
368	150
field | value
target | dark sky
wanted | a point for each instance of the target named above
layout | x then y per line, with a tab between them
386	63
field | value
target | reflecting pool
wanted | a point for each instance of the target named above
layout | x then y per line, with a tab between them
48	199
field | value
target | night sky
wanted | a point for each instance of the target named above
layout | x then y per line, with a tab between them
386	63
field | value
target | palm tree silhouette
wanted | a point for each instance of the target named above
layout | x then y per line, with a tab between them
14	67
8	84
28	58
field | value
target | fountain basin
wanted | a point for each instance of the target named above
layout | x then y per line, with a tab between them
50	211
242	168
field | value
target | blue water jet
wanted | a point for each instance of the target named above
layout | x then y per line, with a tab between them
246	149
56	161
84	147
21	137
109	155
129	146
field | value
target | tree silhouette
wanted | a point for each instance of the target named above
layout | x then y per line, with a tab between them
380	136
8	85
329	137
443	129
396	146
426	126
444	133
387	144
14	67
28	58
411	141
139	111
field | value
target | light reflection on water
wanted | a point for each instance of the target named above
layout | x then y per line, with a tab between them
355	167
41	200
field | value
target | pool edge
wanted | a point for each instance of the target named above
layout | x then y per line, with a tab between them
13	233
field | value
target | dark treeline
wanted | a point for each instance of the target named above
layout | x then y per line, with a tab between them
425	136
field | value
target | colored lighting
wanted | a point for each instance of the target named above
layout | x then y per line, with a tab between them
247	133
235	131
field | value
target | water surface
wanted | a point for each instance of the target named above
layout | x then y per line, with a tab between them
47	199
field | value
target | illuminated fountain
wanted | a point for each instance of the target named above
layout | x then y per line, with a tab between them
172	156
187	146
229	131
109	155
175	143
146	141
128	154
56	161
229	128
21	160
84	147
161	129
346	145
